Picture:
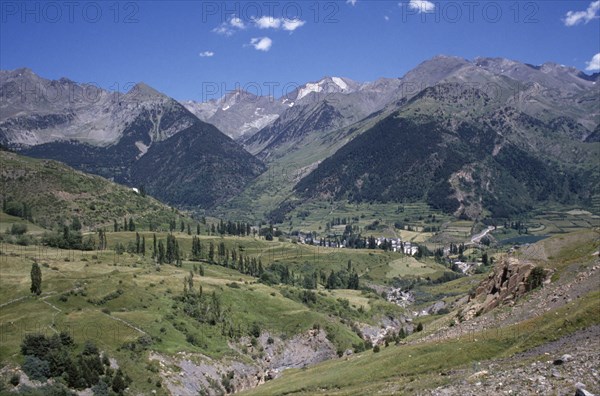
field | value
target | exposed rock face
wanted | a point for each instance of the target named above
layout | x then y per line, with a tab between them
506	283
188	374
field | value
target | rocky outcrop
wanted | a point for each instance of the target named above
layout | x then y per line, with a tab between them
509	280
188	374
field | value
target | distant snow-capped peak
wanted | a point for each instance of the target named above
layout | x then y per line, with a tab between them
326	85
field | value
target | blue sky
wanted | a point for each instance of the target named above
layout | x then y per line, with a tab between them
198	50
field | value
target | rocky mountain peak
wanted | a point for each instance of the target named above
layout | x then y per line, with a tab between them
143	91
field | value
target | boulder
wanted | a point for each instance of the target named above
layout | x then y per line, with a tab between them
583	392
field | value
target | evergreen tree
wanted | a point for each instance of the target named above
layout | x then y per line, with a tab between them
172	253
190	280
36	279
372	243
211	252
118	383
402	333
189	230
125	224
154	246
102	243
116	226
182	226
179	255
27	212
309	282
76	224
198	229
100	240
331	281
353	281
196	248
221	251
131	224
161	252
138	243
143	246
240	265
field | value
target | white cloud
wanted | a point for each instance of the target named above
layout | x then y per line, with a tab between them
261	43
351	2
292	24
223	29
237	23
268	22
206	54
573	18
387	18
228	28
422	5
594	64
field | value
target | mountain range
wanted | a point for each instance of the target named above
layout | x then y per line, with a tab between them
489	135
128	138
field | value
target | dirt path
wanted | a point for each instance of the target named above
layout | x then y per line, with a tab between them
13	301
54	307
126	323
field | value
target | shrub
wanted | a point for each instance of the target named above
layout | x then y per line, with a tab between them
254	330
18	229
35	368
226	382
101	388
358	347
192	339
119	382
308	297
24	240
536	278
376	349
15	379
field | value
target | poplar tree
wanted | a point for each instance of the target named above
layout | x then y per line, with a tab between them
36	279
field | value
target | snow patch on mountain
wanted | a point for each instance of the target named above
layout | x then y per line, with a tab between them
340	83
258	124
142	147
308	88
